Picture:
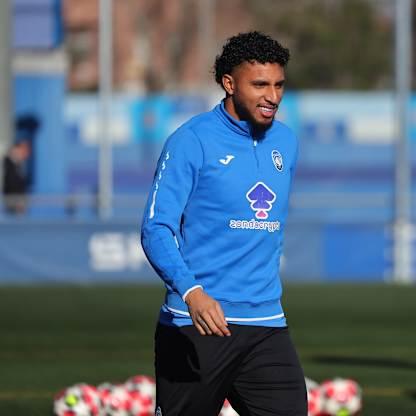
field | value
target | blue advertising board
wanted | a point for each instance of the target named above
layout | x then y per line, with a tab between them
97	252
71	253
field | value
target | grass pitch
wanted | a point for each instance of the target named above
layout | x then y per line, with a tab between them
52	337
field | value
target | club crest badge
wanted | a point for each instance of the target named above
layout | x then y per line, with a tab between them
277	160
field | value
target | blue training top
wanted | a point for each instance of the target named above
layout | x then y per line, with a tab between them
215	217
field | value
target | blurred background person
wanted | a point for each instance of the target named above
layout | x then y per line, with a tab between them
17	172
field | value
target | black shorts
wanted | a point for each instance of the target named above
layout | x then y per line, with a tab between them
256	369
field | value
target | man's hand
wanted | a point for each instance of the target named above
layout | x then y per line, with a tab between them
206	314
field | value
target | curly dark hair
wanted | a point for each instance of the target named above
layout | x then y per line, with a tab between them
249	47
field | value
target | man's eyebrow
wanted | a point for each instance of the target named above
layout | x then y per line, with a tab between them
264	82
260	82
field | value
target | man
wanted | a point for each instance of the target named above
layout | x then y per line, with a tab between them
15	181
212	230
16	178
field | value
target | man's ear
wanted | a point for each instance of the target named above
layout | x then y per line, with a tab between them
228	84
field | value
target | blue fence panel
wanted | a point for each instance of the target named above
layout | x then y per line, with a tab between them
92	252
74	253
355	252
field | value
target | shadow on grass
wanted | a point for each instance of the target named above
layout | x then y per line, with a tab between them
411	393
365	361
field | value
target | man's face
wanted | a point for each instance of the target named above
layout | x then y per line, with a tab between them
254	92
21	151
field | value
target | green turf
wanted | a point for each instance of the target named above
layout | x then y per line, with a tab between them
52	337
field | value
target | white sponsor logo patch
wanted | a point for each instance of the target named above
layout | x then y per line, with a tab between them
261	199
270	226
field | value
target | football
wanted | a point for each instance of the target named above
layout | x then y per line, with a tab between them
315	397
140	405
146	387
117	401
315	401
342	397
78	400
104	391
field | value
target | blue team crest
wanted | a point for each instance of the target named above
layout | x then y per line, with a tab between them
277	160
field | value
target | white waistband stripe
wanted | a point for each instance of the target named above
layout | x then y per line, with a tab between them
227	318
262	318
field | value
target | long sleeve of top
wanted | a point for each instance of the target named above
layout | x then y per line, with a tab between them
216	215
175	179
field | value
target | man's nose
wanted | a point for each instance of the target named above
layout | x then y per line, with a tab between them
272	95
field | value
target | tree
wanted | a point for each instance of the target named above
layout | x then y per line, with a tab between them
338	44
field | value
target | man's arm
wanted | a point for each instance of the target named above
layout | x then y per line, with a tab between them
175	180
